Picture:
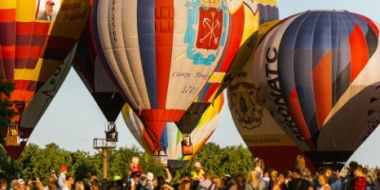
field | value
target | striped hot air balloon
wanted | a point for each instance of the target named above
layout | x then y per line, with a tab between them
161	53
36	36
245	18
317	74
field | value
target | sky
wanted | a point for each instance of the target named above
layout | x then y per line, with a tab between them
77	120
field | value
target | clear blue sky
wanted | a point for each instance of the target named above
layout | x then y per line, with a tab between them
73	119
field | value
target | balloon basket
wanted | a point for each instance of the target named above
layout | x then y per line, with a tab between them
186	145
187	150
161	159
112	136
12	140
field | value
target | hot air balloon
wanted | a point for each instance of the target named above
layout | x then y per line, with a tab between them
245	17
244	20
160	52
172	139
35	38
317	74
262	134
88	67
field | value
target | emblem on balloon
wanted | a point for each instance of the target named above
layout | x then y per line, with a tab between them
207	32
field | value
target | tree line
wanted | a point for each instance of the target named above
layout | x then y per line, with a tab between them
39	162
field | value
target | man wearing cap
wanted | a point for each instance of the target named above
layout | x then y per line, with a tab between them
48	12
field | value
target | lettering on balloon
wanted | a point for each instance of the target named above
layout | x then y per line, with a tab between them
278	99
68	7
202	76
184	75
190	89
262	141
73	11
251	41
113	21
56	73
192	75
374	115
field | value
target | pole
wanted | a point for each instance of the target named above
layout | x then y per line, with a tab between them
105	162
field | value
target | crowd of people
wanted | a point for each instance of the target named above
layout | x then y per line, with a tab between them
54	182
355	177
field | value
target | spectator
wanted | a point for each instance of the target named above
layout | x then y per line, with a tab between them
272	178
297	182
135	166
228	181
134	180
197	173
79	185
148	183
259	166
239	183
266	179
14	184
62	177
279	184
348	180
160	182
70	181
207	183
218	182
253	181
3	184
335	181
183	177
225	182
21	184
323	182
360	181
35	184
185	185
301	165
369	179
377	181
166	186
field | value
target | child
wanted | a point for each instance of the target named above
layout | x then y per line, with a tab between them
62	176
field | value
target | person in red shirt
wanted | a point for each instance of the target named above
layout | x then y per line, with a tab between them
134	166
360	181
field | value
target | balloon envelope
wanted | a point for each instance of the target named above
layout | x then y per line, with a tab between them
89	68
245	18
160	52
317	74
263	136
243	21
35	38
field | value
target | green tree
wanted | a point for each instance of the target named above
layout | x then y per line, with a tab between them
119	162
220	161
8	168
6	110
83	165
38	162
